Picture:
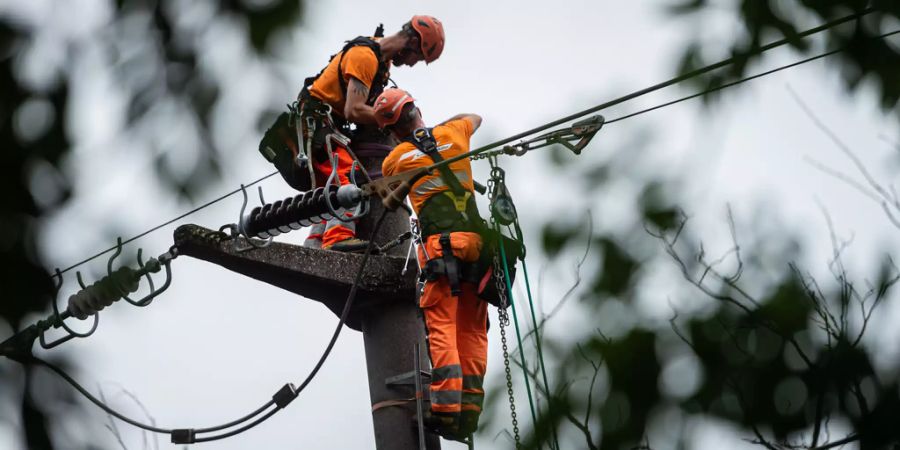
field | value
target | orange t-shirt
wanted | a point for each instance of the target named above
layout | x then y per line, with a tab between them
452	140
360	63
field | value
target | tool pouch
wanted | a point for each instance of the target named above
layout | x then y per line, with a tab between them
280	147
487	285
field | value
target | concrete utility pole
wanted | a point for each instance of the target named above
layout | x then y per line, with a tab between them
384	310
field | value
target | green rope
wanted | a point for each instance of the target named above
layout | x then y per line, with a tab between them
537	341
512	305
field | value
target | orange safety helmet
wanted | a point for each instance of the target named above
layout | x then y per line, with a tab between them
389	105
431	36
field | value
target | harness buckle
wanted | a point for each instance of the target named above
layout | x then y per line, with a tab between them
459	202
425	139
433	269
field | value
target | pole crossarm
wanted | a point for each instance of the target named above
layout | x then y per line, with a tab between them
321	275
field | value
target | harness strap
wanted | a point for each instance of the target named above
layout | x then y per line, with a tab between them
380	79
424	140
469	272
381	74
451	264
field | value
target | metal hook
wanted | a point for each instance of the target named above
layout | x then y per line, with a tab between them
363	208
146	273
335	212
115	255
339	213
59	319
262	200
240	225
152	293
80	281
154	266
416	238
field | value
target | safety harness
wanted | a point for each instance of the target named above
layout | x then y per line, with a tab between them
381	74
304	131
453	211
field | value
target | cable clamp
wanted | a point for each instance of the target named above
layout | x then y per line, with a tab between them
285	395
184	436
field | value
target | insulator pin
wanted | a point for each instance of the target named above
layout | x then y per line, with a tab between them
300	211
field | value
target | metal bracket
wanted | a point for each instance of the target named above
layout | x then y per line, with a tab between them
574	138
240	225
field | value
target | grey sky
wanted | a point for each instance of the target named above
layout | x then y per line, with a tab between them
216	345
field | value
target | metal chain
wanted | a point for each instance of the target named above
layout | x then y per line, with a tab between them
503	319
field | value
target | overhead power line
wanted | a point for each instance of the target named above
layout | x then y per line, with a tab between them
168	222
678	79
742	80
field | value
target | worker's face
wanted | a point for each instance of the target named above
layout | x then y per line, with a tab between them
410	54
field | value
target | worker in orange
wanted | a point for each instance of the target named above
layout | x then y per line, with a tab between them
455	317
340	95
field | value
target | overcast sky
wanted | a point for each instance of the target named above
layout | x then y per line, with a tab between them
216	346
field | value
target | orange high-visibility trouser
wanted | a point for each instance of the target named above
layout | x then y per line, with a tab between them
457	332
334	230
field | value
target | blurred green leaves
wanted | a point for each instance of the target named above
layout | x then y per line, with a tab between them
765	21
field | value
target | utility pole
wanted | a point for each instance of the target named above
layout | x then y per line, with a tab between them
384	310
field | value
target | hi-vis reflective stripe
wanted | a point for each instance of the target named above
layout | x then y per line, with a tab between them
429	186
446	397
473	382
416	153
399	102
473	399
446	373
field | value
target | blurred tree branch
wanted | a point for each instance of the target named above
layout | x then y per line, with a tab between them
827	372
885	196
761	21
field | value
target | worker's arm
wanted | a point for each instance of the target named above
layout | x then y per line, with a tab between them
474	119
355	108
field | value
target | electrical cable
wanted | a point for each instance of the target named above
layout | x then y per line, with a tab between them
742	80
351	296
237	421
280	403
169	222
683	77
65	376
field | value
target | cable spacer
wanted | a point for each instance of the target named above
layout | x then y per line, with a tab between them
184	436
285	395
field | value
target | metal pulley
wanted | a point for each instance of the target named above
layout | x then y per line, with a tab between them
502	207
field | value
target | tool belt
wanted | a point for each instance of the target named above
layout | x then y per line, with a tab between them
452	211
298	136
317	122
480	272
442	214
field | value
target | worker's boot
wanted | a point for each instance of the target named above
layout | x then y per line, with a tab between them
468	422
352	245
444	424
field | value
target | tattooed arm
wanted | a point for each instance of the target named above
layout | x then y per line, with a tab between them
355	108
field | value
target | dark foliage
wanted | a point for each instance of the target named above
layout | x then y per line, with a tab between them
765	21
779	355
